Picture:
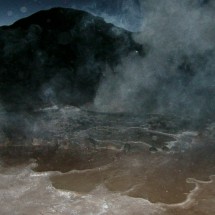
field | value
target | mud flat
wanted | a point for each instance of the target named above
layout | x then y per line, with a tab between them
75	162
112	181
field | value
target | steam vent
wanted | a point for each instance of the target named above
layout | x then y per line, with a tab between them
98	120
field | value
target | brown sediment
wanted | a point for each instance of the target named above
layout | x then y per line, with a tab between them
68	160
201	202
82	182
132	175
13	155
49	158
158	177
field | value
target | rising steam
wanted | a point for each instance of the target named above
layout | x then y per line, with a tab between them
177	73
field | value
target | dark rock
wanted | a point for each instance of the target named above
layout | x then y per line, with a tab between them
127	148
165	148
58	57
153	149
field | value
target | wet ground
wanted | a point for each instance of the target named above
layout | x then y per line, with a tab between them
107	164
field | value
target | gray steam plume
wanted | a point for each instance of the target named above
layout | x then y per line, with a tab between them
177	74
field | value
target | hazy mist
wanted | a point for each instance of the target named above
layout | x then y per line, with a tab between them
177	73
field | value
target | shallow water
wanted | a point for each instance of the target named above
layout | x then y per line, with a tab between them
93	171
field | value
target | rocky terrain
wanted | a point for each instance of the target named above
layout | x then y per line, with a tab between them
61	56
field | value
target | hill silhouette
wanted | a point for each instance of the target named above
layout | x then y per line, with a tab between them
58	56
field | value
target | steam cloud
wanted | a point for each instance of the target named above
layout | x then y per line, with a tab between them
177	73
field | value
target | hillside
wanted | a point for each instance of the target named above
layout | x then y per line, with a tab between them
58	56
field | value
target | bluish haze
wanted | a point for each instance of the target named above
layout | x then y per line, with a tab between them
125	14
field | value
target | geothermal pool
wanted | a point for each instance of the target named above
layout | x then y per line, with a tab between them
72	161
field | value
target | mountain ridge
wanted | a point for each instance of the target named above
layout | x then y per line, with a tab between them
58	56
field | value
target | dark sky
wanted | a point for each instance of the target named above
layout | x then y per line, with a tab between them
124	13
12	10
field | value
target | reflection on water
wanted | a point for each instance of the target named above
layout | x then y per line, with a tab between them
99	164
139	176
157	177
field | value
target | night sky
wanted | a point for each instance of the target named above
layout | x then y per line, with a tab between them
126	14
12	10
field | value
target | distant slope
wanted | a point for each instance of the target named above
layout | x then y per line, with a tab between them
58	56
127	14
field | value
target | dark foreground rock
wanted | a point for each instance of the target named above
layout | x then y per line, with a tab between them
58	56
